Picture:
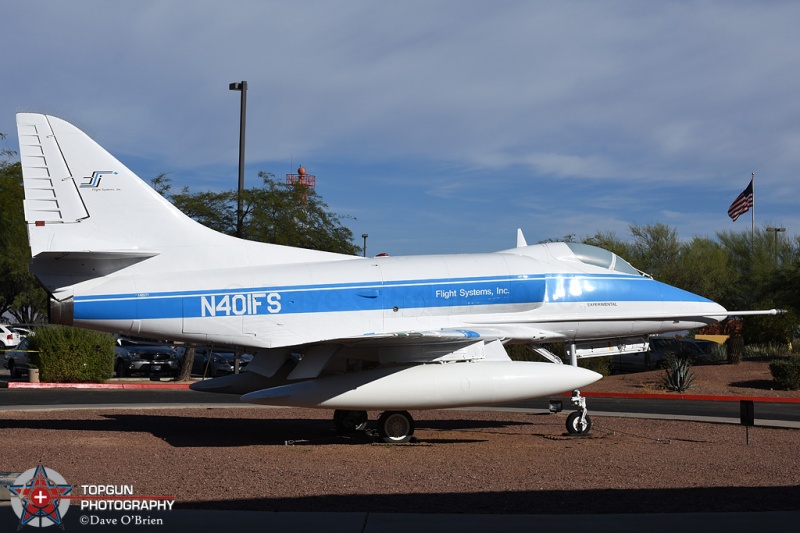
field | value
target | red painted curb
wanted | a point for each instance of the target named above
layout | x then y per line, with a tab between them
102	386
695	397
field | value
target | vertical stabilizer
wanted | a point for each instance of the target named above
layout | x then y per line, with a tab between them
78	197
80	201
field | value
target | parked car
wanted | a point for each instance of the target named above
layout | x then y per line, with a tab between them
220	364
702	351
16	360
131	358
23	331
697	351
8	337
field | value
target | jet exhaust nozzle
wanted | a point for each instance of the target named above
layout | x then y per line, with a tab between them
61	311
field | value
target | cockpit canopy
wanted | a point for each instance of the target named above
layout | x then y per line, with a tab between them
592	255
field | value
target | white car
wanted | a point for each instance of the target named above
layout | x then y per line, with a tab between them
8	338
23	332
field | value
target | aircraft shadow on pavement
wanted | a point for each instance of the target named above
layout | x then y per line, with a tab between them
183	432
602	501
757	384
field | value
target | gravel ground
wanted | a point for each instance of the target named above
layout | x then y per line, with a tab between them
464	462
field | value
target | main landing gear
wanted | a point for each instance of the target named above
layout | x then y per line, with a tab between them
394	427
578	422
349	421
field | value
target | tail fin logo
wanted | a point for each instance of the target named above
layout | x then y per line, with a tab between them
94	179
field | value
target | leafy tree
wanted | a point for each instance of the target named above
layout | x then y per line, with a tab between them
703	267
272	212
753	265
785	285
569	237
768	329
609	241
216	210
656	250
20	294
162	184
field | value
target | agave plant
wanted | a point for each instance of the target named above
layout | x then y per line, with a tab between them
679	376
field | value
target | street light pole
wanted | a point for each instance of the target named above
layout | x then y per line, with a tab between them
241	87
775	232
365	235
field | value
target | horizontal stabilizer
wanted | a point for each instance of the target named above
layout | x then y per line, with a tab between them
58	269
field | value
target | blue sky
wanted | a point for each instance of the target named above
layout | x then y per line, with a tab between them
440	127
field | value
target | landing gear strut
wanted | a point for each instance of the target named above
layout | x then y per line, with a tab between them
578	422
347	422
394	427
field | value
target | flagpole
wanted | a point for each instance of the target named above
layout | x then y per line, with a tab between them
753	215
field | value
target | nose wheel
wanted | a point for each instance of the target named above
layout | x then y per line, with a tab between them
578	422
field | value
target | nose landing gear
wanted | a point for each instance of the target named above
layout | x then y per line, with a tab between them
578	422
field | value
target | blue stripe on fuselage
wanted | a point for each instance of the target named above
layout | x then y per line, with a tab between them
427	293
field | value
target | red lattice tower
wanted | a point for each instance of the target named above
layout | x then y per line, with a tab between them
301	179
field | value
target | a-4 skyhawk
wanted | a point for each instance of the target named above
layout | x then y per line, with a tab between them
327	330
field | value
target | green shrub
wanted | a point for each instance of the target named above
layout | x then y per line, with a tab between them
72	355
520	352
678	376
786	372
601	365
766	350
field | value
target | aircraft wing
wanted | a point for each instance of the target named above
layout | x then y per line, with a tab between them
501	332
626	317
476	340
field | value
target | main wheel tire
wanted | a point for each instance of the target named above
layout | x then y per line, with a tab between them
121	371
347	421
12	370
396	427
574	425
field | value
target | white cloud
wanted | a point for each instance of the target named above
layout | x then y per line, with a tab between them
626	96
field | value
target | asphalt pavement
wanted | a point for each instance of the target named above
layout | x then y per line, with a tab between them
145	393
202	521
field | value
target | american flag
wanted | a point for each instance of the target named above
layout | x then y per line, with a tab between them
742	204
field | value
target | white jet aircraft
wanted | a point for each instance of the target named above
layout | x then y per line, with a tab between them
329	330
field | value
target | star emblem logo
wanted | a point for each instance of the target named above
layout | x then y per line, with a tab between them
40	494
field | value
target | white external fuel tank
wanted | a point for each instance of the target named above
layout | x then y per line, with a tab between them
429	386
